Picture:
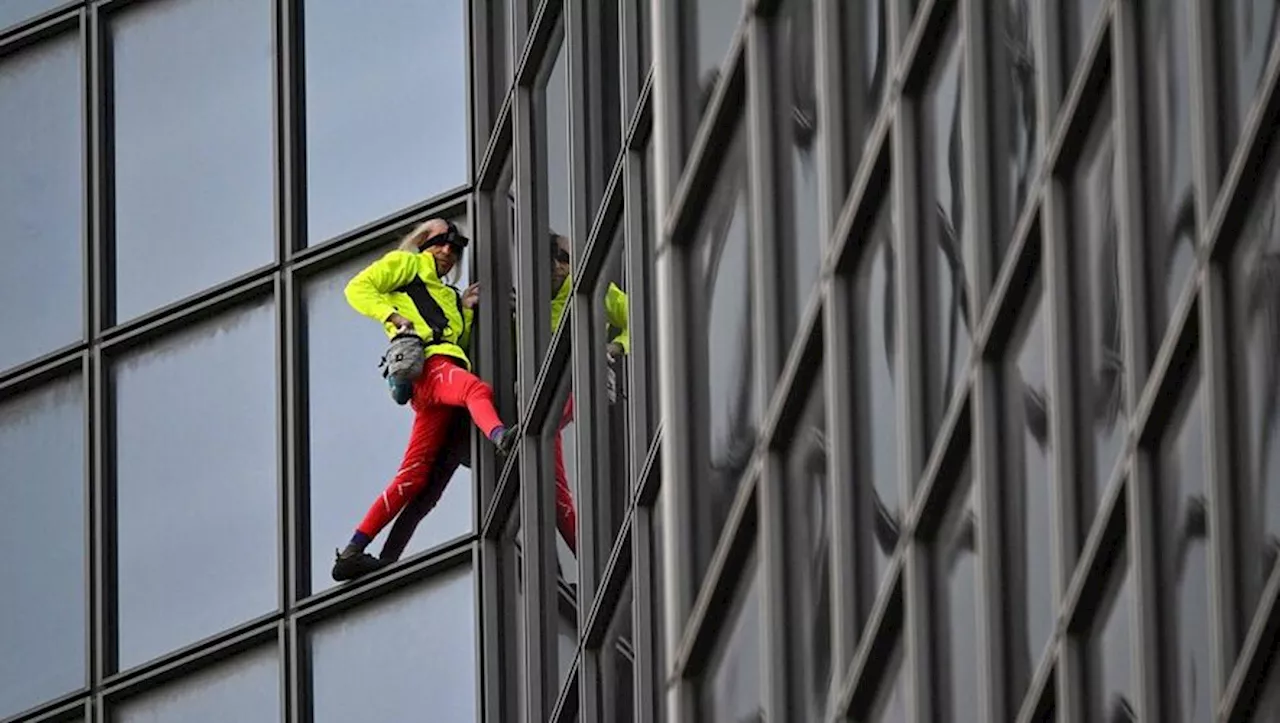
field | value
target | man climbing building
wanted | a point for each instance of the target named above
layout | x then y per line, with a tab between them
404	291
615	309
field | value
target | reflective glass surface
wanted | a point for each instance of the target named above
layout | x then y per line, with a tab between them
611	346
943	223
416	648
890	705
194	160
560	441
1095	239
351	463
806	469
731	690
712	26
1027	405
42	610
1255	288
244	688
864	67
1248	29
955	563
386	108
1021	151
41	198
1170	189
1110	677
197	502
1185	521
803	251
617	673
1080	19
15	11
723	286
554	171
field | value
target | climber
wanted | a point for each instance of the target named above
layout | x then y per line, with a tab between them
615	309
429	323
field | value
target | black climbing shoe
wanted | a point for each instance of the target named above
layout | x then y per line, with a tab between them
353	565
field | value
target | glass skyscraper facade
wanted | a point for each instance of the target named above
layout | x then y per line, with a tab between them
919	359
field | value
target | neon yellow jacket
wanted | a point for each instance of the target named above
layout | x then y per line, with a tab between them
407	284
615	311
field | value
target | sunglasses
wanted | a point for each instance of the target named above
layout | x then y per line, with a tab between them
451	237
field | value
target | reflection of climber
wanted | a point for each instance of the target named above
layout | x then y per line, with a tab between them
405	292
615	309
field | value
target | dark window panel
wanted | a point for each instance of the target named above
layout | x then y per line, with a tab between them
41	206
560	445
1095	240
890	704
955	560
1255	291
243	688
1028	409
42	611
1079	18
617	671
722	295
802	252
554	169
806	467
197	497
644	21
1246	40
15	11
1184	524
193	152
1110	678
876	401
652	333
1266	708
1169	184
1019	52
943	224
386	108
358	435
413	653
731	688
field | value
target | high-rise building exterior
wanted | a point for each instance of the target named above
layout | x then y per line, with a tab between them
907	360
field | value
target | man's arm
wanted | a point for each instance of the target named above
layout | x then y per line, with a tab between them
615	310
368	292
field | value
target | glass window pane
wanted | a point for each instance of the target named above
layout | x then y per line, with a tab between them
806	465
1110	677
1171	245
1247	30
611	346
731	689
712	25
562	439
1080	19
805	246
1267	705
1255	289
943	223
1028	411
42	611
193	153
41	199
1185	555
864	66
386	108
955	563
875	339
197	498
351	463
244	688
415	649
1099	322
15	11
1019	51
555	171
723	292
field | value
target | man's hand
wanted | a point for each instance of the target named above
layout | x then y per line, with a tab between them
614	350
400	322
471	296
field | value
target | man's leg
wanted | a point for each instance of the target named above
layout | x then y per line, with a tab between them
566	516
430	425
455	386
450	457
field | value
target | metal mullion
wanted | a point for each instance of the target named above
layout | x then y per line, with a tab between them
103	504
298	650
483	62
101	292
283	354
1206	121
646	633
639	274
1249	676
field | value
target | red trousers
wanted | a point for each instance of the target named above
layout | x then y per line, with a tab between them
443	386
566	517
